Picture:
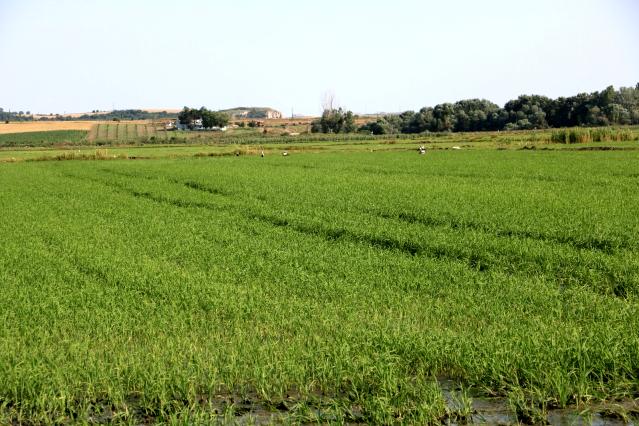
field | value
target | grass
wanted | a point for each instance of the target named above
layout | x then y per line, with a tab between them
339	287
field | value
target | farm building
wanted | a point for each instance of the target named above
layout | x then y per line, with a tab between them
195	125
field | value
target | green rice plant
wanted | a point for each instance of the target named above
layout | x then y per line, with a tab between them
341	286
527	410
460	407
47	138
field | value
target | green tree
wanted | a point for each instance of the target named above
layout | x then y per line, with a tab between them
214	119
187	116
444	118
334	121
349	123
417	122
378	127
618	114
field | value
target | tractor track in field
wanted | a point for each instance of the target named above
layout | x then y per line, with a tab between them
328	234
596	244
603	245
607	281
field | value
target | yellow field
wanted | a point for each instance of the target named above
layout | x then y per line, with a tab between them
43	126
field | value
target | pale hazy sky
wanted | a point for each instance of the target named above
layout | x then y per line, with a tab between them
80	55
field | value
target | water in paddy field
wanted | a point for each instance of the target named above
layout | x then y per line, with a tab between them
484	410
497	411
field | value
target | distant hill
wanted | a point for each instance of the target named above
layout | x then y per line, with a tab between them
252	112
118	114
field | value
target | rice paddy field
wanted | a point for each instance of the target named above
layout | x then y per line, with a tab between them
322	287
42	139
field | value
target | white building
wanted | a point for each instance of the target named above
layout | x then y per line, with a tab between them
196	125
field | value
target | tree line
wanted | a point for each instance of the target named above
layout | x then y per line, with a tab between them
608	107
126	114
118	114
209	118
334	121
15	116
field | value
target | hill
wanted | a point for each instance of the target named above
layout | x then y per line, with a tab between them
252	112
